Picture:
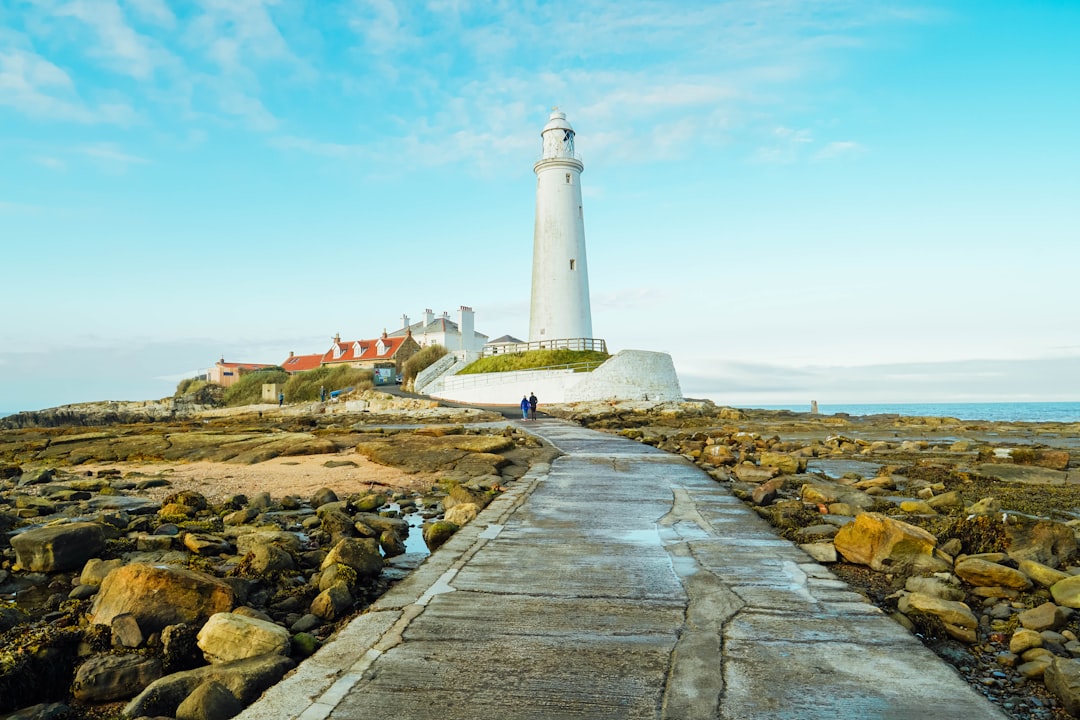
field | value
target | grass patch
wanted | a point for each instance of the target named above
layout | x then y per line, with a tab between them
190	386
248	389
306	386
534	359
420	362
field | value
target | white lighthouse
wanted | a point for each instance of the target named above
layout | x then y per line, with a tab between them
560	280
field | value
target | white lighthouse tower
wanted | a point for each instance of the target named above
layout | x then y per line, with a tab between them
560	280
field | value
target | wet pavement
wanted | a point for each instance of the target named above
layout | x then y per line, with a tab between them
620	582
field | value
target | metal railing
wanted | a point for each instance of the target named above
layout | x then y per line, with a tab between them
596	344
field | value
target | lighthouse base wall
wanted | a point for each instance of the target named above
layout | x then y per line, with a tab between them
627	375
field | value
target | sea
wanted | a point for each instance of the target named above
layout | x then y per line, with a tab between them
999	411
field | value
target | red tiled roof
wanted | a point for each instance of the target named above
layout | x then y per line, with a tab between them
364	350
299	363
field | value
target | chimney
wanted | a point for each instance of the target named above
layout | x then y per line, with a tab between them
291	354
337	338
429	317
466	327
384	333
404	320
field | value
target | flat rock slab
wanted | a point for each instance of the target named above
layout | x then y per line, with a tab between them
622	582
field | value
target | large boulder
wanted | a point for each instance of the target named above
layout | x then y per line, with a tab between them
784	463
462	514
227	637
822	492
437	533
1047	616
1045	541
104	678
983	573
1067	592
58	548
333	603
1040	574
361	554
209	701
1062	677
95	570
957	617
160	596
245	679
1024	474
885	544
263	560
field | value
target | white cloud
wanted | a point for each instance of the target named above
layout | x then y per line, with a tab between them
118	45
839	149
112	157
155	12
51	163
13	207
234	32
249	108
316	147
379	23
785	147
33	86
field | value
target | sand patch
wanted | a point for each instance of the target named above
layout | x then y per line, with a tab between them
280	476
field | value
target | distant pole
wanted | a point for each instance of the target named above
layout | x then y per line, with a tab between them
813	407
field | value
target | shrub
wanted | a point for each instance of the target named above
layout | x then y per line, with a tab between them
533	360
420	362
248	389
199	392
305	386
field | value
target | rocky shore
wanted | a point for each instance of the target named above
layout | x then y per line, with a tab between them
133	585
123	594
964	532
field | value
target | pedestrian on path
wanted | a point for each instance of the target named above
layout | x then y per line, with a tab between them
280	399
524	408
532	406
322	394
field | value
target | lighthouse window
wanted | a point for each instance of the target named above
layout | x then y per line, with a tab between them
567	178
571	263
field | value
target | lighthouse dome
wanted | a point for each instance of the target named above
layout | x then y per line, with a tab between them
557	121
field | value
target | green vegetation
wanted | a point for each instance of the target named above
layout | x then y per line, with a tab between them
199	392
535	359
248	389
189	385
419	362
305	386
302	387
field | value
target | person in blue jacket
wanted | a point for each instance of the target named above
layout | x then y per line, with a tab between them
524	407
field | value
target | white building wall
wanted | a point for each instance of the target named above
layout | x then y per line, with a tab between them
628	375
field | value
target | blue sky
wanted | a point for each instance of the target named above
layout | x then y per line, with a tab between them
848	201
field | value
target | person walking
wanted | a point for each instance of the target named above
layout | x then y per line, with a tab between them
532	406
322	394
524	408
280	399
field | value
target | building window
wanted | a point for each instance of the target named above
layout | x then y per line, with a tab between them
571	263
567	178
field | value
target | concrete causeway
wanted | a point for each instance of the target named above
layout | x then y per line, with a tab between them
621	582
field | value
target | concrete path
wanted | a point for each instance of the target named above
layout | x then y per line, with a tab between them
622	582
